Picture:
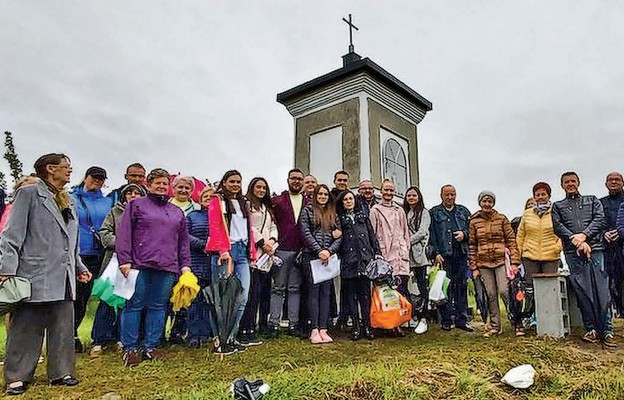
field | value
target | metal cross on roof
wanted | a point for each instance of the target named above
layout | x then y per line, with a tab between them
351	27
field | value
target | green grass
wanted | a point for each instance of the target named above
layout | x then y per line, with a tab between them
434	366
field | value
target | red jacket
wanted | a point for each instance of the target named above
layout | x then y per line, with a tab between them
219	239
290	237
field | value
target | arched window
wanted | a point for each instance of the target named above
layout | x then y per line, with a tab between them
395	165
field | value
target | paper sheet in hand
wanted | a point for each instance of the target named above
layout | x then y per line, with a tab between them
263	262
124	287
322	273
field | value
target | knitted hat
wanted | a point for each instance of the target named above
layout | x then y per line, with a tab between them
488	193
129	187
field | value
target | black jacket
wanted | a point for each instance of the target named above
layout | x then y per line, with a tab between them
315	238
579	214
359	244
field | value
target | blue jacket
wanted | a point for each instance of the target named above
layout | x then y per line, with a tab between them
98	207
441	230
197	224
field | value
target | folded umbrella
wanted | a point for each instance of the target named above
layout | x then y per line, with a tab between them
224	296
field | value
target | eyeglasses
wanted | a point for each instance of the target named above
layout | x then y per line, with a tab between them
136	175
295	178
66	166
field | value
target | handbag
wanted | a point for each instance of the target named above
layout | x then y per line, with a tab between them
97	239
389	308
13	290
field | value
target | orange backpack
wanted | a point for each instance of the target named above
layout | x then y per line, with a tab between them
389	309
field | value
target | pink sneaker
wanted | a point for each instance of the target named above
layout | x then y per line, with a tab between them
315	337
325	337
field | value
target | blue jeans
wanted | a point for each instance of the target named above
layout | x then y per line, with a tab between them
105	325
456	267
151	295
199	323
582	273
240	262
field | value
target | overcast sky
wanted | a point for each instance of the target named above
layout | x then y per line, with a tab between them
521	92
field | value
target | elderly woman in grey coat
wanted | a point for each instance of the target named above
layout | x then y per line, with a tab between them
40	243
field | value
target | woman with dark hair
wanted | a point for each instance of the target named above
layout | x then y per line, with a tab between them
321	232
265	236
358	247
152	238
106	322
540	249
418	222
232	238
93	207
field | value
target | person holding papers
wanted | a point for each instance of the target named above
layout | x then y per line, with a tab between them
265	235
322	234
152	247
359	246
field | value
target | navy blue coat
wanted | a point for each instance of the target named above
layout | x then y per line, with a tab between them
197	224
441	229
359	244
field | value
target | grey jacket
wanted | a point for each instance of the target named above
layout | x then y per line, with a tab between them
38	245
576	214
419	239
107	232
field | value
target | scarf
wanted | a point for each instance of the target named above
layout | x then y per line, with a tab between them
541	208
61	198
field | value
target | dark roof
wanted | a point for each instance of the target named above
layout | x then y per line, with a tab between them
353	68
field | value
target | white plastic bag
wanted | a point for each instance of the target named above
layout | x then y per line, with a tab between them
436	292
520	377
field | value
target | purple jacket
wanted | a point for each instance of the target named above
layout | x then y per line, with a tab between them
152	234
290	237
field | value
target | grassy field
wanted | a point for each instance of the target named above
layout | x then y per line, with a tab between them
437	365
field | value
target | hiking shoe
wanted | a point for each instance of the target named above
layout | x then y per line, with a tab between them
293	330
273	332
193	343
131	358
154	355
492	332
224	350
520	332
590	336
609	341
96	351
243	338
421	327
252	339
445	328
466	327
238	346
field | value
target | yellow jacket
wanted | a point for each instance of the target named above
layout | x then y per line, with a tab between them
536	238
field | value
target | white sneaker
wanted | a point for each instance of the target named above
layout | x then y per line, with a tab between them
421	327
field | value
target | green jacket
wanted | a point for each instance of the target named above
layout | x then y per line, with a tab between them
107	232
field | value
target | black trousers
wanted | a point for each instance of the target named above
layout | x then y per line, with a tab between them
358	292
83	290
614	265
259	300
319	295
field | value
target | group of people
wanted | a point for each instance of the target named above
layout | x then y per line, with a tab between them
62	240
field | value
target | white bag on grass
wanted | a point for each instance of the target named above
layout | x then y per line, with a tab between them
520	377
